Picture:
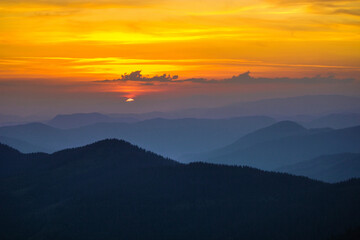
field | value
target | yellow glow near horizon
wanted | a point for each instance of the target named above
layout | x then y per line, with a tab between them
87	40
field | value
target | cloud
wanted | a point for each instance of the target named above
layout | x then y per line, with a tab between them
354	12
83	3
246	78
348	7
243	78
147	84
288	2
138	77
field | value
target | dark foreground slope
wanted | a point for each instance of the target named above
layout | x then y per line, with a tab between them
21	145
114	190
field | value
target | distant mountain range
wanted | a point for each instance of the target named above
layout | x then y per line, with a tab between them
268	146
328	168
164	136
299	108
77	120
315	105
60	180
339	120
282	144
114	190
8	120
302	109
68	121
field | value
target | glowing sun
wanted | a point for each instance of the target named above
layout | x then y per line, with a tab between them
130	100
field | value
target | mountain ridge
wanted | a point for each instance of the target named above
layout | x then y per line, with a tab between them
329	168
164	136
271	153
82	193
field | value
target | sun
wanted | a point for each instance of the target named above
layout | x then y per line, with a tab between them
130	100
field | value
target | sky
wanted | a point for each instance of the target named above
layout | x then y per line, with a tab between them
60	56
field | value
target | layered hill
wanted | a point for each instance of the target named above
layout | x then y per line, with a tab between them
163	136
328	168
282	144
77	120
339	120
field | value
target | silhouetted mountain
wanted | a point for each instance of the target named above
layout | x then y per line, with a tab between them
7	152
163	136
283	144
13	162
328	168
10	160
340	120
114	190
112	152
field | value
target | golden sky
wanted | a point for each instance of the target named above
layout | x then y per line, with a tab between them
73	41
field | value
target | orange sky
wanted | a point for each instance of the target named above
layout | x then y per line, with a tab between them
76	41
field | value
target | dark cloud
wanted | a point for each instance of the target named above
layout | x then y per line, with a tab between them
246	78
243	78
138	77
147	84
